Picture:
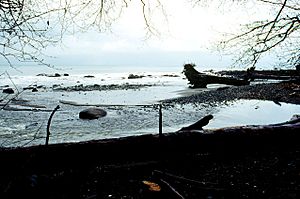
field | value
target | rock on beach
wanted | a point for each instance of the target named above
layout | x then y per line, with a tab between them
8	91
92	113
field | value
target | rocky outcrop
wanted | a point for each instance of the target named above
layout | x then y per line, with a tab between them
97	87
92	113
53	75
132	76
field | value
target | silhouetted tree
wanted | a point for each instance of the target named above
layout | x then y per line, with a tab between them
279	33
28	26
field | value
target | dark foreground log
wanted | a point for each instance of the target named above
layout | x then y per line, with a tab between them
199	164
152	147
200	80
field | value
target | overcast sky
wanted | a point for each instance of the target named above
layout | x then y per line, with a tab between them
187	35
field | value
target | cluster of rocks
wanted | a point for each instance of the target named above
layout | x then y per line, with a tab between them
97	87
53	75
34	88
170	75
132	76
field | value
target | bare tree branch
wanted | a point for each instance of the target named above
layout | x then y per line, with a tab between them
275	20
278	35
28	27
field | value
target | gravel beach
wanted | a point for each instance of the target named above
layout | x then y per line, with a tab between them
288	92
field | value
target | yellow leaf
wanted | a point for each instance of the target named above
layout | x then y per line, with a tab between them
152	186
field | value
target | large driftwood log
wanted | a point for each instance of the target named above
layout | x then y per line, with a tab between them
253	74
233	141
200	80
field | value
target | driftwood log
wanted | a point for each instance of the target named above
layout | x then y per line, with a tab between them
233	140
253	74
200	80
69	170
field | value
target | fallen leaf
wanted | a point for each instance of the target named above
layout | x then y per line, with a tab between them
152	186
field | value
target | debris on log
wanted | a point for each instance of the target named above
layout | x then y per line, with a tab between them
199	124
200	80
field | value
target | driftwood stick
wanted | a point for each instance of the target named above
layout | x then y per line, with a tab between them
160	120
8	101
199	124
48	125
13	98
72	103
172	189
8	108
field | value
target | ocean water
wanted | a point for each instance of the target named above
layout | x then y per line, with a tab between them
132	111
26	127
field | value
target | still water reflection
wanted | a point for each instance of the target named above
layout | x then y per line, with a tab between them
253	112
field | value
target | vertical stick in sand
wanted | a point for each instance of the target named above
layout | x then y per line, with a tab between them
48	125
160	120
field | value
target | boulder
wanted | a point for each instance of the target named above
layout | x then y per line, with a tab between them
42	74
8	91
56	75
92	113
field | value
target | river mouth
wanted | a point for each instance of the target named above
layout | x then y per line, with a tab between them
23	128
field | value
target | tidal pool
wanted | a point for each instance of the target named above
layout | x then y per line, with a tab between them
253	112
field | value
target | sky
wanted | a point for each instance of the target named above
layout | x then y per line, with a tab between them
186	33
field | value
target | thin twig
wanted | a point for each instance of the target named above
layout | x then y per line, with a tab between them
275	20
183	178
12	81
173	189
34	136
16	96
